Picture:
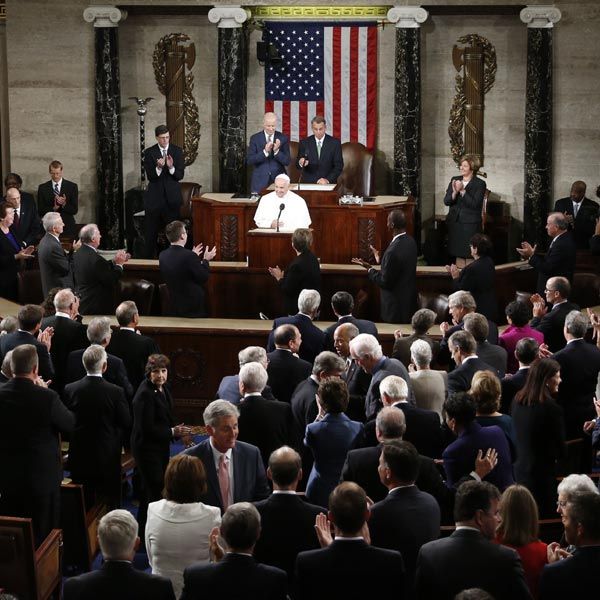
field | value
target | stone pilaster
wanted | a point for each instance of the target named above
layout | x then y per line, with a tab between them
233	71
109	150
407	102
538	121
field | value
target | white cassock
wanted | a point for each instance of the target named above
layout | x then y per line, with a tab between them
293	216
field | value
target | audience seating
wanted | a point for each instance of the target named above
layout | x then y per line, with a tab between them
80	527
30	287
26	572
141	291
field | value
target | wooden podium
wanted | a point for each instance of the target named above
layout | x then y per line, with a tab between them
340	231
267	248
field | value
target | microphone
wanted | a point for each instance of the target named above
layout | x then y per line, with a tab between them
302	169
281	207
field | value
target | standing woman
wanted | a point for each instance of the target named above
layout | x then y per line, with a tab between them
540	429
11	253
464	196
153	430
478	277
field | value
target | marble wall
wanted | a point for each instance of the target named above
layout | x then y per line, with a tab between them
52	101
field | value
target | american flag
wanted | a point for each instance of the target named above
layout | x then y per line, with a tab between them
327	69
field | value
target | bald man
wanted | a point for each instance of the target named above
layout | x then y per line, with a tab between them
581	213
27	224
268	153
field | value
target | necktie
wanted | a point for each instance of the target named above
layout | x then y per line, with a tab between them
270	139
164	154
319	148
224	480
56	190
575	209
16	219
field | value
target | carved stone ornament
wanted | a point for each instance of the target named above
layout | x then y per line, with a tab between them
229	16
104	16
540	17
407	17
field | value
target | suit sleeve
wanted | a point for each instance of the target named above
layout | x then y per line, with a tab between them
337	165
44	201
199	269
291	282
123	381
46	368
122	416
72	204
283	156
178	163
423	578
448	200
302	152
60	261
62	418
391	270
150	165
254	154
473	196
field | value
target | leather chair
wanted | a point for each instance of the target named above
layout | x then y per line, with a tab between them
438	303
30	287
141	291
165	299
524	297
356	178
585	290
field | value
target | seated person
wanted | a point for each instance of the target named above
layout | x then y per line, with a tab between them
294	213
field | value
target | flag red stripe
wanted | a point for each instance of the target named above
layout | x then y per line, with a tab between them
353	116
334	127
372	88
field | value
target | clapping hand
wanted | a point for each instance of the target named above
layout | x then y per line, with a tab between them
210	254
544	351
160	163
323	530
556	553
376	253
169	161
539	305
485	463
276	272
526	250
121	257
45	337
215	550
276	145
457	186
453	271
361	263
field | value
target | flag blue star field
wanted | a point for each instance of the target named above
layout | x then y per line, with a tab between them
327	69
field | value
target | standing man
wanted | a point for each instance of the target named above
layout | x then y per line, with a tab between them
185	272
320	155
26	222
59	195
580	212
165	167
269	153
398	273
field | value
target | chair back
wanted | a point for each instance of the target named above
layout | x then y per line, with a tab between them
358	169
165	300
189	189
30	287
438	303
585	290
141	291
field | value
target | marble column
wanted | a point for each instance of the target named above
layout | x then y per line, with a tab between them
109	151
233	71
407	103
538	121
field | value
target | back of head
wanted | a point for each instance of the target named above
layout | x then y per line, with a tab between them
477	325
464	341
328	362
93	358
420	353
333	395
473	594
397	220
402	459
348	507
185	479
527	350
560	220
460	407
519	313
24	360
576	324
217	410
302	239
394	387
390	423
462	299
482	243
519	523
126	313
584	509
560	285
99	330
174	230
50	220
254	377
535	390
240	527
252	354
309	302
284	334
422	321
485	391
342	303
88	233
6	368
284	466
63	300
366	344
9	325
472	496
30	316
117	534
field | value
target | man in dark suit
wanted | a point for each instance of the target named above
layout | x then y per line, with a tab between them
472	438
579	367
303	273
16	181
185	272
313	339
320	155
117	578
559	260
397	277
221	454
575	575
551	322
129	345
469	558
367	352
269	154
237	574
95	277
164	165
69	334
356	378
462	348
580	212
477	325
59	195
266	424
56	266
526	352
102	415
26	222
30	321
407	518
287	520
595	239
342	305
99	332
343	568
285	369
31	418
